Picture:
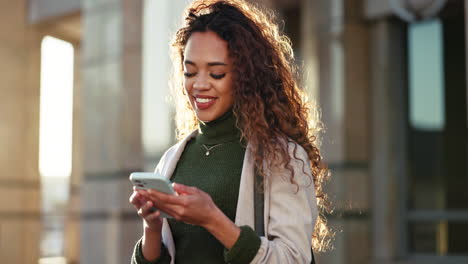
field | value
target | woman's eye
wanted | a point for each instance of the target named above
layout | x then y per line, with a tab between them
187	74
218	76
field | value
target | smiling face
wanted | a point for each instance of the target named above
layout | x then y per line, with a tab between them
208	75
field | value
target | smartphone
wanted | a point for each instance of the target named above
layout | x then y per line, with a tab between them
149	180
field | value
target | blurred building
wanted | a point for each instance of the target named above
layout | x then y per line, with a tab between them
389	75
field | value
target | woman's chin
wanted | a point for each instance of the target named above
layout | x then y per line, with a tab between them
207	116
204	117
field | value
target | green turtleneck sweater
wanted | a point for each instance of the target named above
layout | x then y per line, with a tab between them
217	174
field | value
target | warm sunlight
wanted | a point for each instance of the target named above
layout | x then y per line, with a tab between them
55	143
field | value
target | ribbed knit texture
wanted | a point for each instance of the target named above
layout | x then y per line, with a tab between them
217	174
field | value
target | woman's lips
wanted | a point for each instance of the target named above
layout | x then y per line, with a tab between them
203	103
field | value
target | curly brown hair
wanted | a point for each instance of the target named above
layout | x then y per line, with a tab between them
265	83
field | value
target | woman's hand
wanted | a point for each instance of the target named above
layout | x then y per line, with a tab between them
192	205
151	220
152	223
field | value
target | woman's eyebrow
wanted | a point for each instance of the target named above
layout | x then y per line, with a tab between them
215	63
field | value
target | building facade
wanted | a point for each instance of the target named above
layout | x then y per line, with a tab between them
389	76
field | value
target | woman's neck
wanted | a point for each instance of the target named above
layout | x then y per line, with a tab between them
221	130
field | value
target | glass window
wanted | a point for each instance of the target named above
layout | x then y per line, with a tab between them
426	75
55	143
426	115
423	237
437	183
438	237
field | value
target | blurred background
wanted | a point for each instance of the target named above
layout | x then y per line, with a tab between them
83	88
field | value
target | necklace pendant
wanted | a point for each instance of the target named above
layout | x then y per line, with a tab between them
207	153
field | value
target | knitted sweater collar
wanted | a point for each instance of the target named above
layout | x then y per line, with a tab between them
221	130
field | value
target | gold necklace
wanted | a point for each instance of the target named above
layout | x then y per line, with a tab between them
208	149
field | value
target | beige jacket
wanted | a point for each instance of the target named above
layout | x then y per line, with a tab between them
289	215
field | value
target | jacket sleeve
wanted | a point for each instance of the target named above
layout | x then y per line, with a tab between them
138	258
290	213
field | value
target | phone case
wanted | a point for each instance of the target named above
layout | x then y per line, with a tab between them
149	180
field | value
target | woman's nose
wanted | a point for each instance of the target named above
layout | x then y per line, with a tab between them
201	83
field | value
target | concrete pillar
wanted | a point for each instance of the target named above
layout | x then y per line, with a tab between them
388	152
309	43
343	55
111	123
19	135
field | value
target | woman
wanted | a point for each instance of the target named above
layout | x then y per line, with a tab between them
240	114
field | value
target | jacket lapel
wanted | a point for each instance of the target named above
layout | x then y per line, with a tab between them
245	202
